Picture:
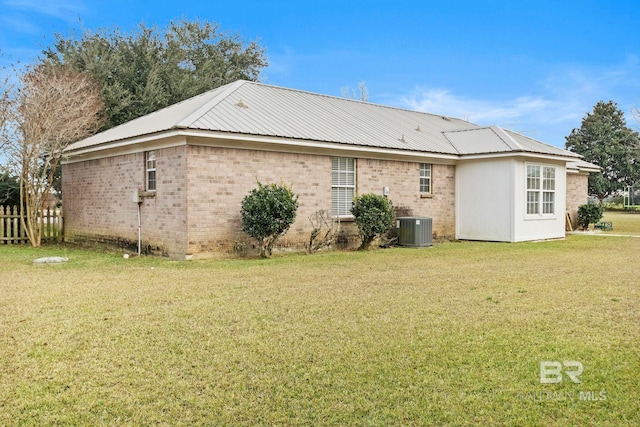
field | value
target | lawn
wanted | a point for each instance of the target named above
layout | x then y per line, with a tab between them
623	222
449	335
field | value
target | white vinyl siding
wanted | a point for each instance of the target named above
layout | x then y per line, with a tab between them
343	185
150	168
541	190
425	178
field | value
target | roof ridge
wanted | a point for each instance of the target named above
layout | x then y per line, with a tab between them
497	130
535	140
502	134
225	91
451	143
373	104
467	129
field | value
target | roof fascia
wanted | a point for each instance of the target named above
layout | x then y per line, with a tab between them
525	155
583	170
167	140
176	137
290	145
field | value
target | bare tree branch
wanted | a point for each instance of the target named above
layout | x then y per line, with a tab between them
53	107
5	93
361	95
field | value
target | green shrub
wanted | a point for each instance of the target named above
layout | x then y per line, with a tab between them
267	213
589	214
373	216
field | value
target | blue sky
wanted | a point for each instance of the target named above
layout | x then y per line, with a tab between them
536	67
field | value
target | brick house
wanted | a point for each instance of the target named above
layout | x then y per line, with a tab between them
192	163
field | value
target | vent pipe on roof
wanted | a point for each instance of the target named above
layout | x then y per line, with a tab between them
241	104
402	138
418	129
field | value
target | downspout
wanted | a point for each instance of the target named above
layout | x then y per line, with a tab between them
139	228
137	198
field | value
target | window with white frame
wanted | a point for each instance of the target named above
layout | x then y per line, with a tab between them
425	178
150	167
541	190
343	185
548	190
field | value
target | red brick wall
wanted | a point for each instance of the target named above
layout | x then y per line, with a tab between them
97	196
196	208
219	178
403	180
98	201
577	194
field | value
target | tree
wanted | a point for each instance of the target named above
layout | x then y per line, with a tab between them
373	214
52	107
9	190
150	69
361	95
267	213
605	139
5	94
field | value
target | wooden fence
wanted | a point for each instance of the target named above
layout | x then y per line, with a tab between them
12	232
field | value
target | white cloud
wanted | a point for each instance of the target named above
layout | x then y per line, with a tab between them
552	106
18	24
443	101
65	10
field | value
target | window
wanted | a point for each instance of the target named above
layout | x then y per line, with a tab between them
150	166
343	185
548	190
425	178
533	189
541	190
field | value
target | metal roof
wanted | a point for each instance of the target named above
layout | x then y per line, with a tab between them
583	166
252	108
494	139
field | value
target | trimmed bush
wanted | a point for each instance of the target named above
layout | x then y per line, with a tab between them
589	214
267	213
373	215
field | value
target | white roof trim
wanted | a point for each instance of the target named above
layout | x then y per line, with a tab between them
177	137
582	166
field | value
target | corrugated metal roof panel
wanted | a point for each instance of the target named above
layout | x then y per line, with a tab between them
582	165
290	113
257	109
158	121
495	139
534	146
480	140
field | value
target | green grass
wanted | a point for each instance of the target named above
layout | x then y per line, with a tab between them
450	335
623	222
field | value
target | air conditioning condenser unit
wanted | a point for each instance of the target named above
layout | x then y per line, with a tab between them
414	231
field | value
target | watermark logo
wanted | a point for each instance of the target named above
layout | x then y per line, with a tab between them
551	371
554	372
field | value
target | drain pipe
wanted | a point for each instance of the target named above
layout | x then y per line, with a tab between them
137	198
139	229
